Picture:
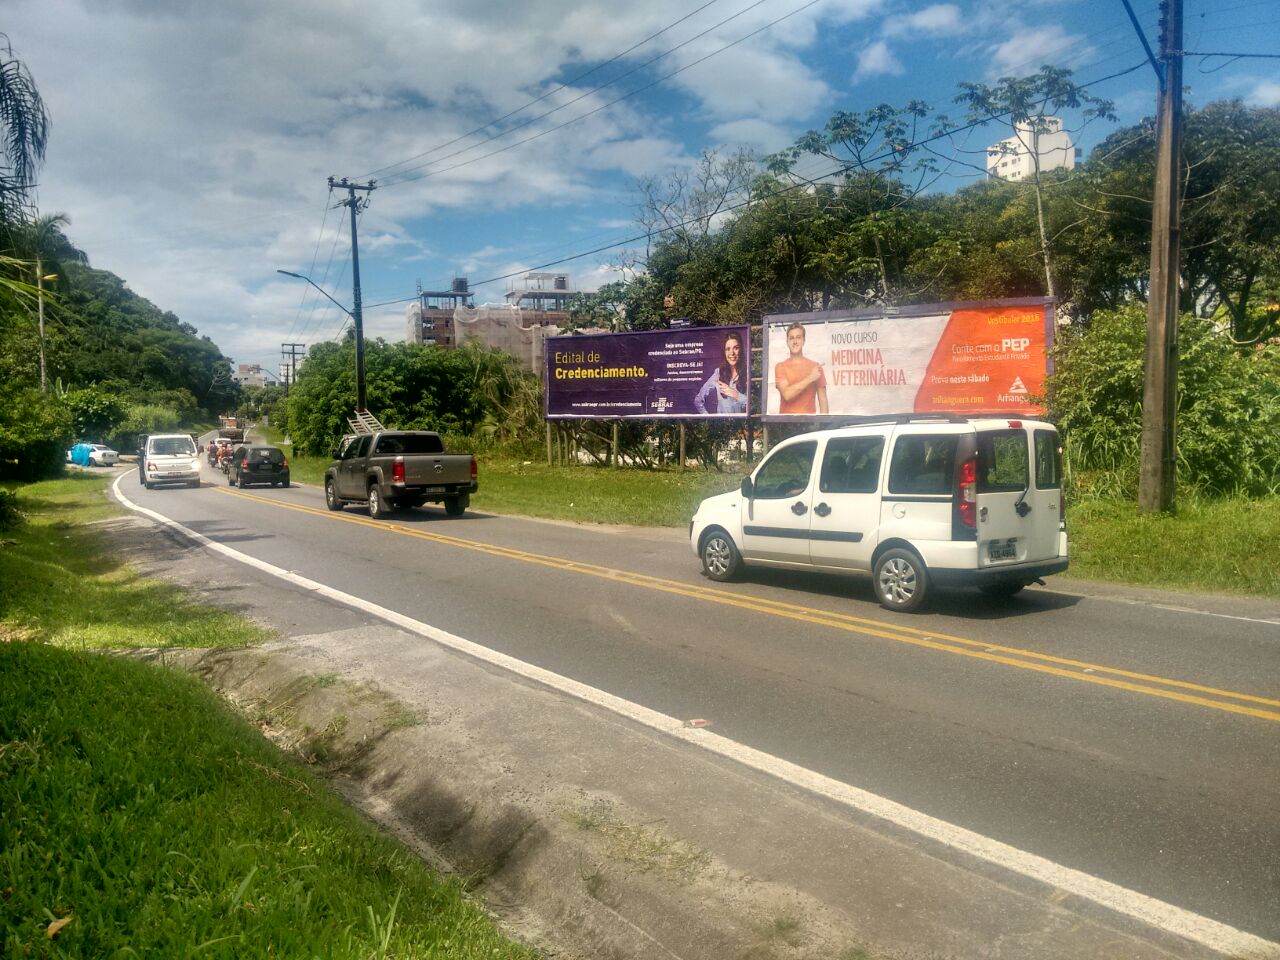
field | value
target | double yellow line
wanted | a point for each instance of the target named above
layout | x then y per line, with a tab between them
1182	691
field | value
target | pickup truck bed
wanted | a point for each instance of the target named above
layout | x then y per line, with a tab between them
399	469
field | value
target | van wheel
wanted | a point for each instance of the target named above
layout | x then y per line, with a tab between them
720	558
331	496
901	580
1001	591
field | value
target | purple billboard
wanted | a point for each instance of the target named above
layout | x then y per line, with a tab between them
687	374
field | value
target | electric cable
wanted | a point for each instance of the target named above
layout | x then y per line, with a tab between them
550	93
589	113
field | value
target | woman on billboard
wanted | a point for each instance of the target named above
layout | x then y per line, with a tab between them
728	383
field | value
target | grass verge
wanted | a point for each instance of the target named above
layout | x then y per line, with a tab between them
1224	546
142	817
59	585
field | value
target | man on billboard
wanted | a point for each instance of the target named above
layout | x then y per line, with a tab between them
802	385
728	382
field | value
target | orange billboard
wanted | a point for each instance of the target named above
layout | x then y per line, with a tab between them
961	358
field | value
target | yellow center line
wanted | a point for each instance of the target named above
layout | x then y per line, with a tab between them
975	649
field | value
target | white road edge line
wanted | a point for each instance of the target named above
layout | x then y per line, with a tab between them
1163	916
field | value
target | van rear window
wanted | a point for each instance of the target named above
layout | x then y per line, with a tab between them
1002	461
1048	460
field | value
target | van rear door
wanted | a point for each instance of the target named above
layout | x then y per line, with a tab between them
1017	523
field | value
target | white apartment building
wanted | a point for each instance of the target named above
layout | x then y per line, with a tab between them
1013	158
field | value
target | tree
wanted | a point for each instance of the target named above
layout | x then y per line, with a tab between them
1023	102
42	242
24	133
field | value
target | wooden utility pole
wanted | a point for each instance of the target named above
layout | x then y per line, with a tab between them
1156	481
357	314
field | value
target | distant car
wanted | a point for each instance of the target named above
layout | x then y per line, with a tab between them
100	455
169	458
257	464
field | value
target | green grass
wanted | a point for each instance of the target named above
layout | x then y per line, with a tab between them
1224	546
59	584
137	805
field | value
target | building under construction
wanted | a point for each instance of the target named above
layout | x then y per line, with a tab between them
531	312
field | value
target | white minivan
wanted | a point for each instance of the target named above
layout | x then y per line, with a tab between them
917	502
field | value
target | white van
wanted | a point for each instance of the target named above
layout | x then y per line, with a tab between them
917	502
169	458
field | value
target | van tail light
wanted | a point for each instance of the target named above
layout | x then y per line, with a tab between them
474	471
968	491
397	470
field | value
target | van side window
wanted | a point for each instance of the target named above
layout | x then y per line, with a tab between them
852	465
1048	460
923	464
1002	461
786	473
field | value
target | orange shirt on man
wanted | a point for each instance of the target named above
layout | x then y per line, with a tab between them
792	370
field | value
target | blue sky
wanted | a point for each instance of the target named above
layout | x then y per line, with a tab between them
192	140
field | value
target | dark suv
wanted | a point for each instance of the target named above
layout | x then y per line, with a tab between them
257	464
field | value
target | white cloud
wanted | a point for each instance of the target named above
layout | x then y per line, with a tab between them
877	59
939	20
1031	47
763	136
1266	93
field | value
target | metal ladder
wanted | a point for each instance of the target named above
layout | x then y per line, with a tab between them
364	422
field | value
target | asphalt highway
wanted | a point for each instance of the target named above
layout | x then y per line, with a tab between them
1127	738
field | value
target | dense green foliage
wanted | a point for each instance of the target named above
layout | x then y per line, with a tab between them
469	392
36	430
1228	406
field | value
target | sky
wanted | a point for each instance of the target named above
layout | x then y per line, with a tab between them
192	140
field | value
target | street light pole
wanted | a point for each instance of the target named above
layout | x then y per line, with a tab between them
360	392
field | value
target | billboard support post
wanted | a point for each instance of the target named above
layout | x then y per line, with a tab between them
682	446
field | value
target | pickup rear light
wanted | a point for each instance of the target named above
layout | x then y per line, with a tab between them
397	470
968	491
474	472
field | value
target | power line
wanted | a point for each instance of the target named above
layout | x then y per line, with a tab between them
551	93
805	182
605	106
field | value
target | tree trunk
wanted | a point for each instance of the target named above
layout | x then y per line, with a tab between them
44	379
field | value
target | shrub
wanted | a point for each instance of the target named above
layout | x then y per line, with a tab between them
35	434
10	515
1228	408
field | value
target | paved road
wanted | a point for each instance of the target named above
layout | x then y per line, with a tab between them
1128	739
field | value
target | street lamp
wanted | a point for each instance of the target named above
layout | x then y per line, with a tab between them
361	403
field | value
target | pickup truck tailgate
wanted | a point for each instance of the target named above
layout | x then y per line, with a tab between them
437	470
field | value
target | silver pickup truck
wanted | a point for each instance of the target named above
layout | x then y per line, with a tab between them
398	469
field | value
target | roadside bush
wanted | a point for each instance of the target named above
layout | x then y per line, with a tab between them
10	515
1228	409
144	418
35	434
95	412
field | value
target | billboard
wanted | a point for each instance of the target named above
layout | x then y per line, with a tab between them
960	358
688	373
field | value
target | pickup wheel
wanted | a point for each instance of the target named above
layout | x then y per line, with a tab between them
331	496
456	506
378	509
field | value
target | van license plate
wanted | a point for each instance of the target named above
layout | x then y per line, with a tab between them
1002	551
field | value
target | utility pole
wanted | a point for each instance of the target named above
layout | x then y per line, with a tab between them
356	205
289	353
1156	481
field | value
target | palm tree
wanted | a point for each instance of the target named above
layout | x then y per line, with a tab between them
24	132
43	243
